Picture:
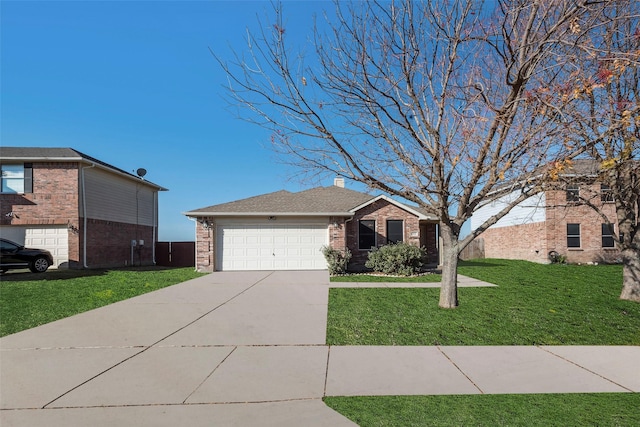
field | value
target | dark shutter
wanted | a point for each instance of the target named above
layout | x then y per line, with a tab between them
28	178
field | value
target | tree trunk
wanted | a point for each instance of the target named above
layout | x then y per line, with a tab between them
449	283
630	275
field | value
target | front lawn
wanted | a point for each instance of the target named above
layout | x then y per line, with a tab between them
534	304
526	410
28	300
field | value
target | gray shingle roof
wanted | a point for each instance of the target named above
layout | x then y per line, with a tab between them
320	200
60	154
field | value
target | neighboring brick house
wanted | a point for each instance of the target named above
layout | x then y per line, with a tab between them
555	221
86	212
286	231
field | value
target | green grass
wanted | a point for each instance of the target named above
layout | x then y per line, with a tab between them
530	410
534	304
28	300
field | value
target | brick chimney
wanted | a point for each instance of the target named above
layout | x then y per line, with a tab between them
338	182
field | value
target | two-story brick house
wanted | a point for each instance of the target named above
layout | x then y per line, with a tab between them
86	212
286	231
556	221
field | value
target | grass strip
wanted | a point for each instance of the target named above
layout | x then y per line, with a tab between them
29	300
530	410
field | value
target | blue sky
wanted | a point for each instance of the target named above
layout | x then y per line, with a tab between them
134	84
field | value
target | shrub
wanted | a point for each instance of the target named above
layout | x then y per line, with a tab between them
556	258
400	259
337	261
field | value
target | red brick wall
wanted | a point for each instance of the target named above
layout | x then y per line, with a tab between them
559	214
533	242
526	242
54	199
205	246
380	211
109	244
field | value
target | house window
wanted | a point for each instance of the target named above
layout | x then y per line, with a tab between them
573	235
367	234
395	232
573	193
17	178
607	236
606	194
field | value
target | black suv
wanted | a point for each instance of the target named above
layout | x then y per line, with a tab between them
13	255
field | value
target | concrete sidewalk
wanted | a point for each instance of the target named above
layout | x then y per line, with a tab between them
245	349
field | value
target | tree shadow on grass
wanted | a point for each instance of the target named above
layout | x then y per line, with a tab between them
481	263
24	275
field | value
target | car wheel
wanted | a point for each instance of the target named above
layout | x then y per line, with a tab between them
39	265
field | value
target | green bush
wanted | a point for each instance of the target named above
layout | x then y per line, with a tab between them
337	261
400	259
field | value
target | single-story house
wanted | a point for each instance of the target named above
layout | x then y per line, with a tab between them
286	231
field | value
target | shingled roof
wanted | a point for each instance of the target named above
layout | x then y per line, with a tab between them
319	201
63	154
332	200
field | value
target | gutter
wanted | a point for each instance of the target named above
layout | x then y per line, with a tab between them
245	214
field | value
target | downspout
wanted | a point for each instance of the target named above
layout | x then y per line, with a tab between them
155	226
84	215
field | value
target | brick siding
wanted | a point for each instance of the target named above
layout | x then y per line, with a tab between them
109	244
533	242
381	211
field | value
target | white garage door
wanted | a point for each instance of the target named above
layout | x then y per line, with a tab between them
53	239
271	247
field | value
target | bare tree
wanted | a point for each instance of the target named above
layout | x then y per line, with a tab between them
600	97
424	101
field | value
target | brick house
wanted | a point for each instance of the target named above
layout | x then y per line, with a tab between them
85	211
286	231
555	220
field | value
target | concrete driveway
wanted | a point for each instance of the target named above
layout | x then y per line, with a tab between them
225	349
248	349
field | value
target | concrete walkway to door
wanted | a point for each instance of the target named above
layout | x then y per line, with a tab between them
248	349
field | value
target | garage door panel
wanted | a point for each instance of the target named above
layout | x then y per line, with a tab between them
55	239
271	247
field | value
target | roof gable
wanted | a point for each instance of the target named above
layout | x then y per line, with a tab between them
413	210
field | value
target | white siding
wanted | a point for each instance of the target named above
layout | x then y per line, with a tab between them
530	211
114	198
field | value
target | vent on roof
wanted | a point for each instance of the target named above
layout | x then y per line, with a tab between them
338	182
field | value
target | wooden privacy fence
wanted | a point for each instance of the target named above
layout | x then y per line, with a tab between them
176	254
475	249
